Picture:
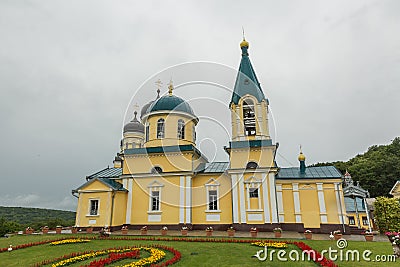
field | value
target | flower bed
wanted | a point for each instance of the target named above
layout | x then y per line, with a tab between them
69	241
113	257
157	254
270	244
318	258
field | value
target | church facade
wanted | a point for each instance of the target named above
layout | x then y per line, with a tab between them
160	178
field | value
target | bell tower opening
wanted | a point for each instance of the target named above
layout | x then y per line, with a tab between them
249	118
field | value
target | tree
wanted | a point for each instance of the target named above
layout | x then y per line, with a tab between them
387	214
377	170
7	227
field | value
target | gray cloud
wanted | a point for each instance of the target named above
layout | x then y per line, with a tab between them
68	71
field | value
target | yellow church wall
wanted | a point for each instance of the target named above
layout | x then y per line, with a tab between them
263	157
169	201
309	202
119	210
331	204
103	217
288	204
200	201
254	203
171	162
170	130
309	206
96	185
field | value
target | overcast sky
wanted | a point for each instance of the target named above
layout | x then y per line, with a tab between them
69	70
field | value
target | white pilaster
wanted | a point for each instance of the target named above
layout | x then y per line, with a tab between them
260	119
321	201
235	211
296	200
109	209
181	199
242	200
265	196
239	130
274	211
339	203
188	199
280	203
129	183
78	213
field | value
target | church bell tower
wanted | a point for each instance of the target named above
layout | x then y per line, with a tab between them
251	151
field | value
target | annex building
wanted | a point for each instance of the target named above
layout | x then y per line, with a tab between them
160	178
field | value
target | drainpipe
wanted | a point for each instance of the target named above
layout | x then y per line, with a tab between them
73	193
276	195
276	201
112	207
340	206
367	211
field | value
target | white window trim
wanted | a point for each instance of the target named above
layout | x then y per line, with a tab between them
90	206
155	186
212	184
253	182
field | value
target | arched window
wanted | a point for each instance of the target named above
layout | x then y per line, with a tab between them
160	128
181	129
156	170
147	132
251	165
249	119
194	133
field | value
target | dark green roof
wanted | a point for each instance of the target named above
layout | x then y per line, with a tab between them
163	149
170	102
250	143
329	172
114	185
213	167
106	173
246	80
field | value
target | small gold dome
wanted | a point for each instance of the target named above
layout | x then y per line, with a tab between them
302	157
244	43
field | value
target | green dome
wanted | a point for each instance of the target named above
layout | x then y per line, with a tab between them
171	102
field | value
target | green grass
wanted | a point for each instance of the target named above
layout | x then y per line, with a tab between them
193	253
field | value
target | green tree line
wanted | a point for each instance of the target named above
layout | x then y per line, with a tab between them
377	170
13	219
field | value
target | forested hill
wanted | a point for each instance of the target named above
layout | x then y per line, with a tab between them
377	170
28	215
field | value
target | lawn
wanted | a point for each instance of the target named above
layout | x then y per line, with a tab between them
193	253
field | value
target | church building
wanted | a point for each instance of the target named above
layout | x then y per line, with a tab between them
161	178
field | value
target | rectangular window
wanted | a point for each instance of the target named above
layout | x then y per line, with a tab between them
253	192
155	200
365	220
351	220
94	207
212	200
